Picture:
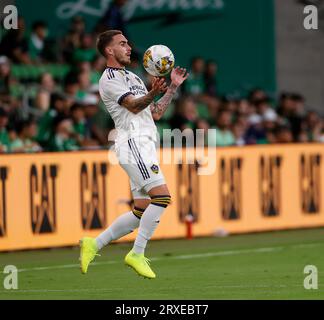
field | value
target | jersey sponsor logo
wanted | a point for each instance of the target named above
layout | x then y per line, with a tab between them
270	185
310	183
137	87
3	201
155	169
231	188
43	198
138	90
188	192
93	195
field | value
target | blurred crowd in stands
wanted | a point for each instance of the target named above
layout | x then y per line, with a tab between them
49	99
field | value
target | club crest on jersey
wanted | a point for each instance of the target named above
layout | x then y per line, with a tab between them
155	169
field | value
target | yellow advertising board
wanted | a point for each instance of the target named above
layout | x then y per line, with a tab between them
54	199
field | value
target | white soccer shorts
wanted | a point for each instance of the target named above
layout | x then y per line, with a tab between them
138	157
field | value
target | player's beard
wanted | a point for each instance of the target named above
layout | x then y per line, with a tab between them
125	61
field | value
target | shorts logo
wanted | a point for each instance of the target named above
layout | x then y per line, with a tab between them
155	169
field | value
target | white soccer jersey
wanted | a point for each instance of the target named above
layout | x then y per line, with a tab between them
114	85
136	133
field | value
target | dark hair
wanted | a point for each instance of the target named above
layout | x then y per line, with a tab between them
223	111
3	113
71	78
282	128
211	61
258	102
105	39
195	59
56	97
76	106
77	19
297	97
21	125
59	119
39	24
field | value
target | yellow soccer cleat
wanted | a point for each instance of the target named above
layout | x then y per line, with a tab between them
140	264
88	251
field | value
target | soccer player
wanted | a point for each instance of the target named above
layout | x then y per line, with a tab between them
133	110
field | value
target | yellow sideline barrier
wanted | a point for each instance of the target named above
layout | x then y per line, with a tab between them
53	199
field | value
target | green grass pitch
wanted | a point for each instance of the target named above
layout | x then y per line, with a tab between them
254	266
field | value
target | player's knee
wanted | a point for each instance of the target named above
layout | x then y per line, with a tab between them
161	201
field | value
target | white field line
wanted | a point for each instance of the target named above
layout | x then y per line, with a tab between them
93	290
180	257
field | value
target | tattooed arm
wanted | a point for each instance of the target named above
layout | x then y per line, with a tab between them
158	108
139	104
178	76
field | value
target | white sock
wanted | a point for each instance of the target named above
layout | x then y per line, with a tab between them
148	224
122	226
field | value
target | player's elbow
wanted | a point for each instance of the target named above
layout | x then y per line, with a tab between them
131	107
156	116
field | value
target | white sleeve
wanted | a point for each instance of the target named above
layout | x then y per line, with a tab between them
113	86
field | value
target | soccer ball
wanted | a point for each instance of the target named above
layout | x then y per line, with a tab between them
158	60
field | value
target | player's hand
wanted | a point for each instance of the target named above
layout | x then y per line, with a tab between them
178	76
159	86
